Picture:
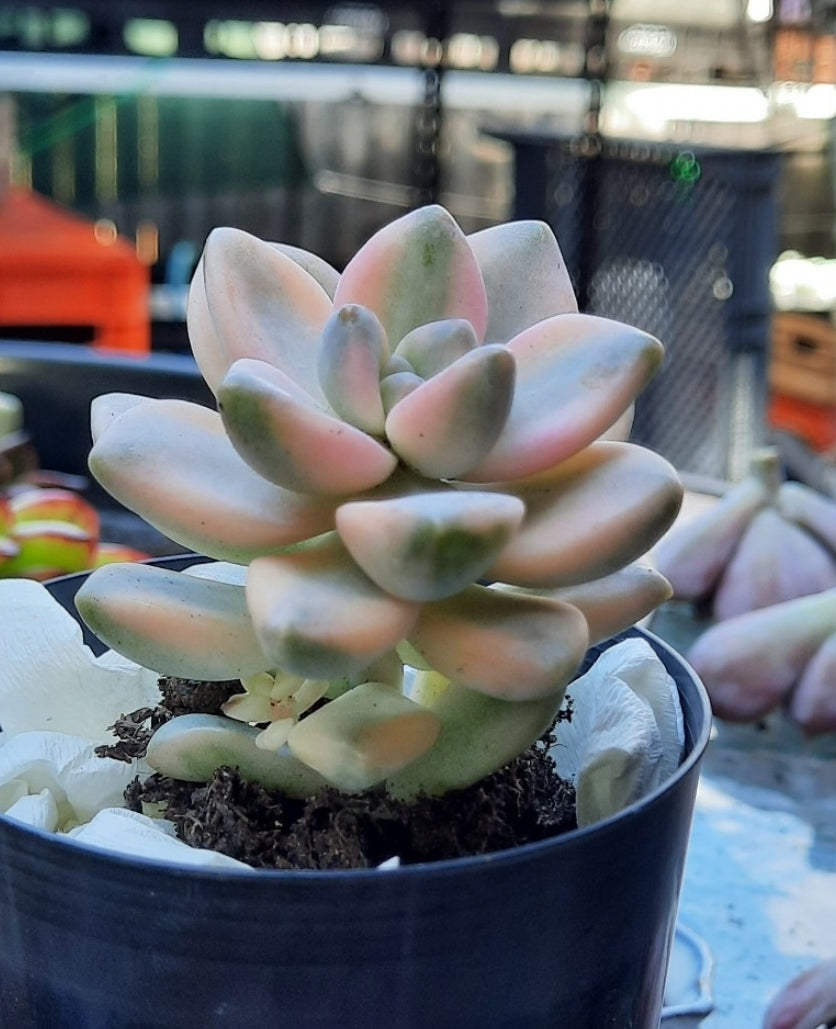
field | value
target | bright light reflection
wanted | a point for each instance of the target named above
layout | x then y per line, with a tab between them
655	105
759	10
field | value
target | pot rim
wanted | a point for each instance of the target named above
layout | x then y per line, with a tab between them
696	746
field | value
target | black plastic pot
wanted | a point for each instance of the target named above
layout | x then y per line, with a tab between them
572	933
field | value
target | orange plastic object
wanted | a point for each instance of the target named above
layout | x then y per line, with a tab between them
57	269
813	423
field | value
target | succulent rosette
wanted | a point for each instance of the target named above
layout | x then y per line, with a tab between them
420	460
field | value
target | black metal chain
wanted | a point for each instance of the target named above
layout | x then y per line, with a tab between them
430	114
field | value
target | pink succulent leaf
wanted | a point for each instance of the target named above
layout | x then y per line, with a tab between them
352	353
171	462
318	615
172	622
616	601
525	277
570	535
417	269
576	374
807	1001
429	545
55	505
514	646
432	347
294	443
248	299
448	424
318	268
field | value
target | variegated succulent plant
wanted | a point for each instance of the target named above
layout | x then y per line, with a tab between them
419	462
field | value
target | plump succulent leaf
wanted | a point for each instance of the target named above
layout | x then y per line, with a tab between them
429	349
107	407
576	374
517	298
590	516
319	616
397	385
352	354
616	601
191	747
446	425
248	299
478	735
174	623
317	267
517	647
417	269
428	545
365	736
188	481
295	444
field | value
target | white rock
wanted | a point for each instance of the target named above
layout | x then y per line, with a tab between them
130	833
51	680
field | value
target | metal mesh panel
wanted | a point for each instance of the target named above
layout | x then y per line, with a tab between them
664	240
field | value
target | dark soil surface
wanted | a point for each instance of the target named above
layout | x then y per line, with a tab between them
522	802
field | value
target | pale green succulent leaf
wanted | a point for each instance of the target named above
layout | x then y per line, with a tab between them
352	353
428	545
396	386
590	516
192	747
576	375
318	615
106	408
417	269
171	462
295	444
513	646
431	347
248	299
317	267
442	428
525	276
366	735
173	623
479	734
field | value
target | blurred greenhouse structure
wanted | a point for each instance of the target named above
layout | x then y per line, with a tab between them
676	149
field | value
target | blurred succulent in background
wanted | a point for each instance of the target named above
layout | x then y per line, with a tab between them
49	532
419	462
